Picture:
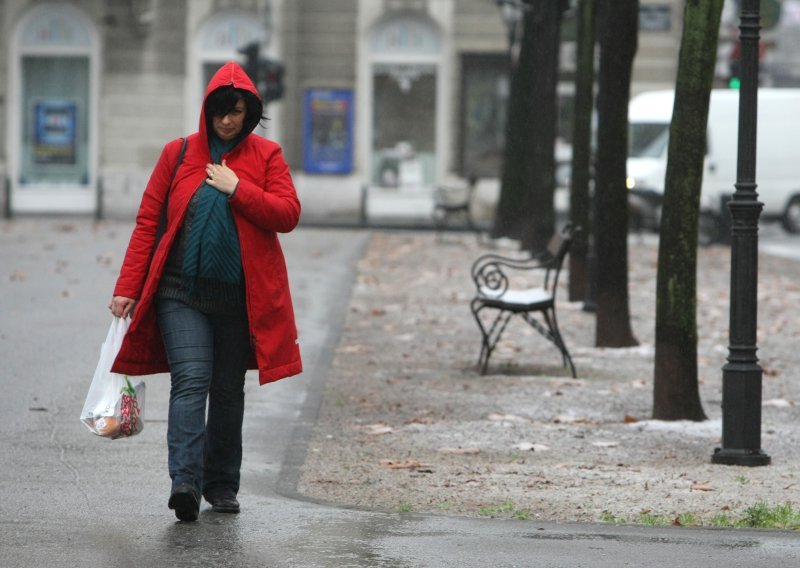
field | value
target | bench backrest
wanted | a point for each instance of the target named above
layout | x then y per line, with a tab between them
492	280
557	248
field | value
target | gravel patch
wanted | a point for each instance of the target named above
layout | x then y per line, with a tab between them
407	423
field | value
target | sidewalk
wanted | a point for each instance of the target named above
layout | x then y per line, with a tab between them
407	423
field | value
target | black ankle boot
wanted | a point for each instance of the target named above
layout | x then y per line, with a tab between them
185	502
223	503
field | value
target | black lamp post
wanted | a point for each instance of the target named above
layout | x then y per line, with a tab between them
512	12
742	375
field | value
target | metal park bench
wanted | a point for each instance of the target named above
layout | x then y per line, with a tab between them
454	205
493	276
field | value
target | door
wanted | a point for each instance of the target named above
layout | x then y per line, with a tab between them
52	111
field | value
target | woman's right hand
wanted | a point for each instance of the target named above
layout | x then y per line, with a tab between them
121	306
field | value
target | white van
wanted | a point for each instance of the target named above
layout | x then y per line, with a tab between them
777	150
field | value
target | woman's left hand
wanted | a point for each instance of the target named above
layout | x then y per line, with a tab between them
221	177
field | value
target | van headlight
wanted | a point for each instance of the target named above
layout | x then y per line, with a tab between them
630	182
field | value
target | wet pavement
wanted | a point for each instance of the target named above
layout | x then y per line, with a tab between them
68	498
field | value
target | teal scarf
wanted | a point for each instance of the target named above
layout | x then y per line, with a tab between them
212	246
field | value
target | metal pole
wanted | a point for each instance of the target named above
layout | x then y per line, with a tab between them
7	214
99	206
590	302
363	217
742	375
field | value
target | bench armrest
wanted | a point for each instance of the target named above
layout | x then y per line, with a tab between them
491	272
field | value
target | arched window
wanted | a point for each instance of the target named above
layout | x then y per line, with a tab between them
52	111
404	66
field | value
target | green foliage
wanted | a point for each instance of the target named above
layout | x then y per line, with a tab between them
763	516
606	517
404	508
648	519
515	458
507	508
722	521
758	516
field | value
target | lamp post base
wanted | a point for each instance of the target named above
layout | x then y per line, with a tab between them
749	458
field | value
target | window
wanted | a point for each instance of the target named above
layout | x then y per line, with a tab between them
484	102
55	93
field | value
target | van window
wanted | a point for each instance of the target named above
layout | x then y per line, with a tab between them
647	139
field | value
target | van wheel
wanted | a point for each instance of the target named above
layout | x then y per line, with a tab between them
791	217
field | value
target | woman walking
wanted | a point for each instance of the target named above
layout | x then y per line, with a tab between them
211	295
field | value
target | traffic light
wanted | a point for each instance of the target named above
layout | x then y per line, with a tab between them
272	73
266	74
250	65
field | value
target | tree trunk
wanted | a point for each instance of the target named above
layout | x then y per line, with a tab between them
618	27
525	210
582	151
676	395
512	214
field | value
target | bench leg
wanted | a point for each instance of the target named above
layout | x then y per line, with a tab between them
490	337
553	334
444	218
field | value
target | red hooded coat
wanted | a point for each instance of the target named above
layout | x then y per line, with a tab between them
264	204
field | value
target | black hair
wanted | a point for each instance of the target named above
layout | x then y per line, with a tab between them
222	101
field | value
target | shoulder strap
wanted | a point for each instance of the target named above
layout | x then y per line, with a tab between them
162	221
178	162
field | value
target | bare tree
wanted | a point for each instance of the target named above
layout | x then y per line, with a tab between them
618	22
676	395
525	210
582	149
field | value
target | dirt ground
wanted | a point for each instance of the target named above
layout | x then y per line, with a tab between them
408	424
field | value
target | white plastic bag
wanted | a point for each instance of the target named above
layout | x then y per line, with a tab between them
113	407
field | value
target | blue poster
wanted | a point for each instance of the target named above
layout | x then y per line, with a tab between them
328	131
55	132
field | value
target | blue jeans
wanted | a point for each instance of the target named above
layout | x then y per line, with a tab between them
207	357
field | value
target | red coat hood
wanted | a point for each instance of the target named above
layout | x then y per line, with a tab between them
230	74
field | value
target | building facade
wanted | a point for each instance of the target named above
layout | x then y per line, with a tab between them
391	97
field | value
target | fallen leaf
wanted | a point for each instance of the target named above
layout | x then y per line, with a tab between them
496	417
605	444
460	451
405	464
18	276
556	384
419	420
353	349
571	420
105	259
528	447
379	429
630	419
701	487
778	403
